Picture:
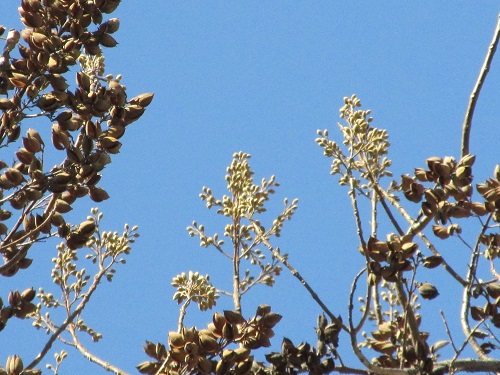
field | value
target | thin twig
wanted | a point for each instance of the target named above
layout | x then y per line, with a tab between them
69	319
471	275
351	304
236	257
448	331
25	247
469	113
297	275
466	341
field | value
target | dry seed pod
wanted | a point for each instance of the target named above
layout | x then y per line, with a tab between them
218	320
409	249
143	100
24	156
28	295
25	309
233	317
87	228
107	40
6	104
78	191
115	131
34	135
14	365
428	291
98	194
228	332
109	6
57	219
62	178
432	261
271	319
112	25
14	176
62	206
263	310
133	113
176	339
244	367
209	343
19	80
94	179
5	183
148	367
205	365
14	298
75	241
68	197
440	232
493	290
83	80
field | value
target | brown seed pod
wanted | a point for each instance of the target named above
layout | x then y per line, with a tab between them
428	291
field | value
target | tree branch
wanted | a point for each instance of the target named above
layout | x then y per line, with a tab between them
469	113
471	275
297	275
467	365
92	357
69	319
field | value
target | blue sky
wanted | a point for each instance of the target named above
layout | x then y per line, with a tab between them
261	77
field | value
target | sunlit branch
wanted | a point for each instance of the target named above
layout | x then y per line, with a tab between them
469	113
182	314
467	341
92	357
467	365
296	274
86	297
351	303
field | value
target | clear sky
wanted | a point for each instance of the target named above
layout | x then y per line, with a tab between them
261	77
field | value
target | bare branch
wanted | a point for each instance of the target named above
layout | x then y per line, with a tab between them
92	357
448	332
69	320
467	365
469	113
351	304
464	318
297	275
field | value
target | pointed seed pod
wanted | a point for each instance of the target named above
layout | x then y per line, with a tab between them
14	365
87	228
143	100
98	194
28	295
432	261
428	291
176	339
233	317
